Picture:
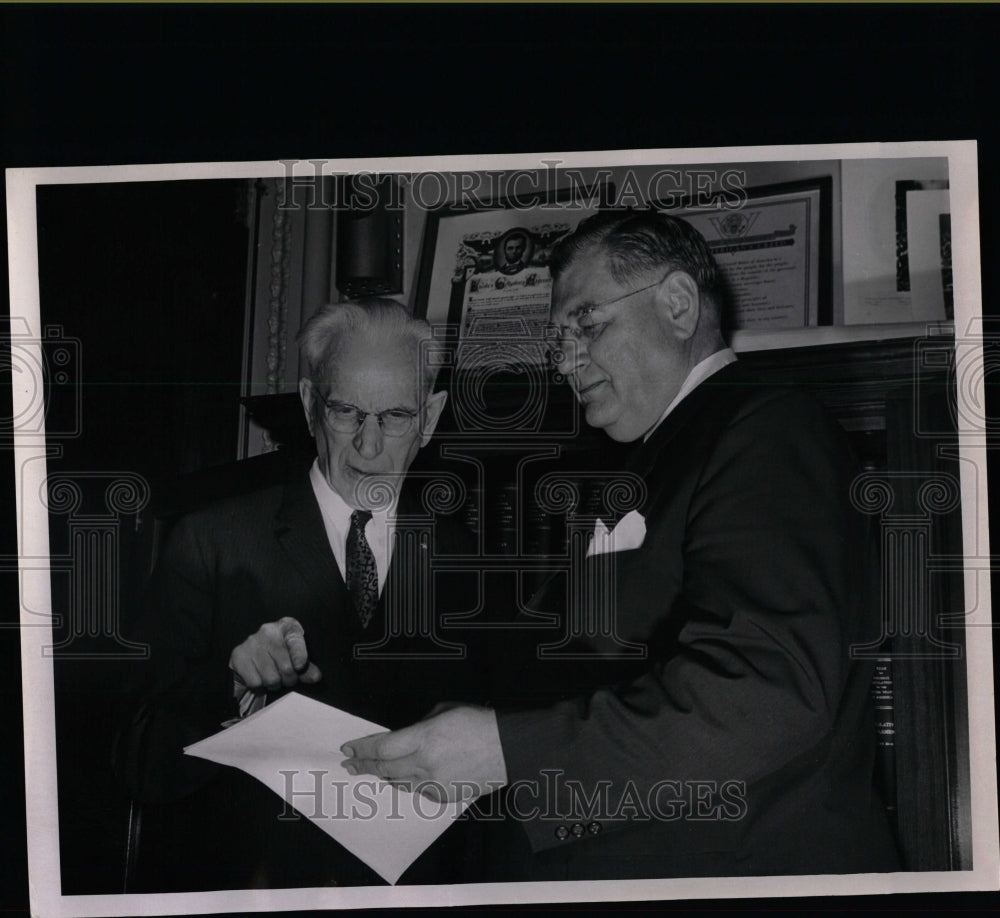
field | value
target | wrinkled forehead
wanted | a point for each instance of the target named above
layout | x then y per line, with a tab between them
361	365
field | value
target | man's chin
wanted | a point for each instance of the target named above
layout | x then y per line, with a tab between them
606	420
616	427
375	491
621	434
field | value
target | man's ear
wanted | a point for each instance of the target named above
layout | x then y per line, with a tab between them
433	406
680	300
307	395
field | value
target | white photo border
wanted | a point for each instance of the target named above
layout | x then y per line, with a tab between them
33	549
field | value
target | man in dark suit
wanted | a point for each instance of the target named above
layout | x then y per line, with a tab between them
742	742
299	586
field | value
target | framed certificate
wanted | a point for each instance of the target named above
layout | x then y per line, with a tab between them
774	251
484	272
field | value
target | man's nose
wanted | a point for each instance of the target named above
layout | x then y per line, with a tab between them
368	439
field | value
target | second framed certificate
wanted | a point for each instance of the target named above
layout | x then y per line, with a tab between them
774	252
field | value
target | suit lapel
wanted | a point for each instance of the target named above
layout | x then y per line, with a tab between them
299	530
707	404
301	533
645	460
332	628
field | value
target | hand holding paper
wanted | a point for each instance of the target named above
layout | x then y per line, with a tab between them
291	747
456	752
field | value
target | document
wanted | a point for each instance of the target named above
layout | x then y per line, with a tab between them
769	254
876	256
293	747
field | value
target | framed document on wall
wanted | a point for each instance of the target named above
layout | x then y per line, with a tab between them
484	272
775	254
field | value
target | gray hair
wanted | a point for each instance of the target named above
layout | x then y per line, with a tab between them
380	319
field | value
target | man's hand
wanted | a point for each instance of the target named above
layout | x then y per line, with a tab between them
453	755
274	657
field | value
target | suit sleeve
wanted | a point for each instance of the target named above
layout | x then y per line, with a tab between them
187	688
753	680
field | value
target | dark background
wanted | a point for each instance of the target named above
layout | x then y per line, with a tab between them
149	278
119	84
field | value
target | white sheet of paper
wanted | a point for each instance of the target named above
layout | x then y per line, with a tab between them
923	231
293	747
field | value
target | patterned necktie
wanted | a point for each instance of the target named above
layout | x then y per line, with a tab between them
362	574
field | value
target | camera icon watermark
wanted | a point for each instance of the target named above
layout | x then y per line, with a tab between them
44	369
964	368
501	381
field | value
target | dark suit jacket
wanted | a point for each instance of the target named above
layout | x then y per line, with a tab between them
744	743
226	571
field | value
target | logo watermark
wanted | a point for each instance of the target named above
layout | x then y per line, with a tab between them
552	186
319	794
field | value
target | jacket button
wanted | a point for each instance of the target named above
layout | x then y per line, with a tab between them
562	833
594	828
577	829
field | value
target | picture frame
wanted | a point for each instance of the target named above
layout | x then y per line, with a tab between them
484	276
792	285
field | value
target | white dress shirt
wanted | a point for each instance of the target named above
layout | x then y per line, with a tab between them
699	373
337	521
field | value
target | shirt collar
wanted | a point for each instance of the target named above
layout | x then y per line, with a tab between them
699	373
334	506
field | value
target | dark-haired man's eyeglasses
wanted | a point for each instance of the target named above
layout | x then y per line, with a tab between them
555	334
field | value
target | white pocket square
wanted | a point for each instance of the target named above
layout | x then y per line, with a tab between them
629	533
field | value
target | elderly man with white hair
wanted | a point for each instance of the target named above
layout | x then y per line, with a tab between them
277	590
